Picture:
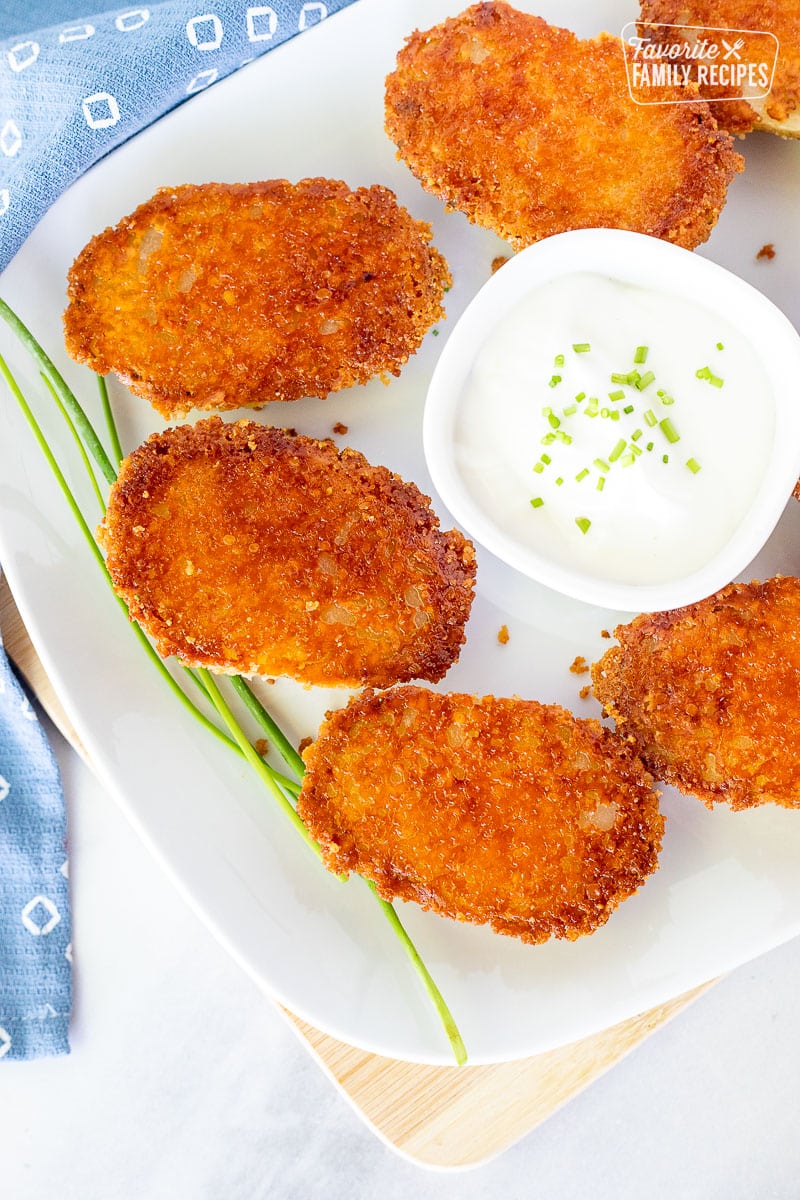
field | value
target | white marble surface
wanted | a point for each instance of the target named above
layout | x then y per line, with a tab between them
185	1084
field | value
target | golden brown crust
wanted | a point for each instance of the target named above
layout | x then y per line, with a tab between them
709	695
248	549
220	296
771	16
504	812
531	132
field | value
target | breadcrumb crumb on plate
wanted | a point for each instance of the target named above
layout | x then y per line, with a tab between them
503	812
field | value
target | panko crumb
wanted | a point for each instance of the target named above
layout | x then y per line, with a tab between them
604	633
340	428
304	744
499	262
585	692
503	635
767	251
579	665
262	747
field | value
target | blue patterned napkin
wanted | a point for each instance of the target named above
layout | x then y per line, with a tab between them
72	92
35	947
69	93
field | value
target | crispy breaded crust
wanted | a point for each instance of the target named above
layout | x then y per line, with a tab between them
709	695
778	112
224	295
502	812
248	549
531	132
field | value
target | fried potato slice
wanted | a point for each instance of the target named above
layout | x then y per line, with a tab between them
779	111
248	549
220	296
504	812
709	695
531	132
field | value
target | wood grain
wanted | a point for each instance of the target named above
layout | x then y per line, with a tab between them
437	1116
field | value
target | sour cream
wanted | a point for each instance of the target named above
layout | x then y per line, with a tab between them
663	512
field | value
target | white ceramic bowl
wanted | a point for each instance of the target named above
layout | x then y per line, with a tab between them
648	262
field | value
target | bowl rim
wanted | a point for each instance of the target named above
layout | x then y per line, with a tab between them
650	262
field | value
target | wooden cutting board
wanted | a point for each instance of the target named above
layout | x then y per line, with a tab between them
437	1116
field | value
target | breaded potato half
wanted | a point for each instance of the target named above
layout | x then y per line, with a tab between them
248	549
709	695
220	296
509	812
531	132
779	111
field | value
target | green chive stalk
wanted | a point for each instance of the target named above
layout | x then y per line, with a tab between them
279	785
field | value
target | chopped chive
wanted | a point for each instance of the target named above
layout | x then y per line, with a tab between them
614	414
582	474
628	408
537	502
601	483
665	458
669	431
633	378
548	439
604	412
720	346
558	361
645	381
618	448
569	409
616	395
583	523
580	396
538	468
601	465
627	460
637	433
667	400
619	378
707	374
554	381
693	465
650	418
546	459
546	411
435	332
563	437
649	445
581	347
641	354
636	450
553	421
559	481
592	407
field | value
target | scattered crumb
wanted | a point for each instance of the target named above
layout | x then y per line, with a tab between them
305	743
585	692
339	428
579	666
503	635
262	747
269	681
766	251
604	633
498	262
